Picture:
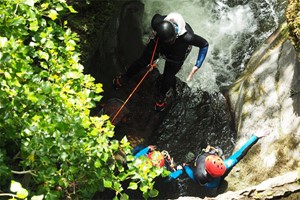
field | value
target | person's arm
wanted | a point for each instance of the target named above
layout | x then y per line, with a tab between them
189	172
142	152
237	156
145	151
202	43
174	175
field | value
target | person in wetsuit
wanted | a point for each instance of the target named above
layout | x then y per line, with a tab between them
174	38
209	169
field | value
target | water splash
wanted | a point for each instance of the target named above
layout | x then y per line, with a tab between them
234	29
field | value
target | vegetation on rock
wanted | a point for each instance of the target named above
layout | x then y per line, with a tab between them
50	144
293	20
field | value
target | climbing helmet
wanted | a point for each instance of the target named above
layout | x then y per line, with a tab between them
166	32
157	158
215	166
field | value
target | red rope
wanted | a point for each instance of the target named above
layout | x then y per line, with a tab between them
136	87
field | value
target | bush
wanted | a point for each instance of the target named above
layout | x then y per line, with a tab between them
46	129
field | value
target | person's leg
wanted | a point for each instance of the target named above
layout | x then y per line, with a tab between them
136	66
168	80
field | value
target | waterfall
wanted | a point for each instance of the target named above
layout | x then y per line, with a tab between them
233	28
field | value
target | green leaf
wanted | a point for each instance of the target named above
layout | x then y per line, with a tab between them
97	163
165	172
94	132
15	186
43	55
46	87
115	198
71	9
133	185
17	21
107	183
34	25
153	193
22	193
59	7
114	144
53	14
104	157
74	170
29	2
63	156
144	187
39	197
74	75
31	96
124	196
3	41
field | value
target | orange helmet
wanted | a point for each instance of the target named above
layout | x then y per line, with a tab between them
156	158
215	166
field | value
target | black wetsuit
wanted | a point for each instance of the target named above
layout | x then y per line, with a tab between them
175	54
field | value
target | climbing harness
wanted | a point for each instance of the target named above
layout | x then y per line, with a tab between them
212	151
169	160
152	65
165	154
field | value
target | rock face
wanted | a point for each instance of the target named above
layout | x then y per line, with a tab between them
266	97
274	188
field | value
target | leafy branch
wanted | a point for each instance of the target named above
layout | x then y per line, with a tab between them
45	104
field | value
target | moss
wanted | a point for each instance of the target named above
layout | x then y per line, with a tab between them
293	20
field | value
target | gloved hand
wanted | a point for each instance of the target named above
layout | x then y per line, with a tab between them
179	167
261	134
152	147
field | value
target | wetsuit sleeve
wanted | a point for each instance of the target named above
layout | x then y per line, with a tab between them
176	174
200	42
189	172
237	156
201	56
142	152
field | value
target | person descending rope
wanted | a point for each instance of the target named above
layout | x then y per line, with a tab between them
175	39
209	168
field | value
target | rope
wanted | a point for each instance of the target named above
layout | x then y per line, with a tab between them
136	87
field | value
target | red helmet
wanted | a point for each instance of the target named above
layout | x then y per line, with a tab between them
157	158
214	165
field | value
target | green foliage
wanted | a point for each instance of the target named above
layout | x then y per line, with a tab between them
45	101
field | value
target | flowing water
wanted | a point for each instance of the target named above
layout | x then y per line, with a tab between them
233	28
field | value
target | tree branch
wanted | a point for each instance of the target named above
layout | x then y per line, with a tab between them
23	172
8	194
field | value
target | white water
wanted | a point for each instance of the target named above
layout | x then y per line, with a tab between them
233	33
